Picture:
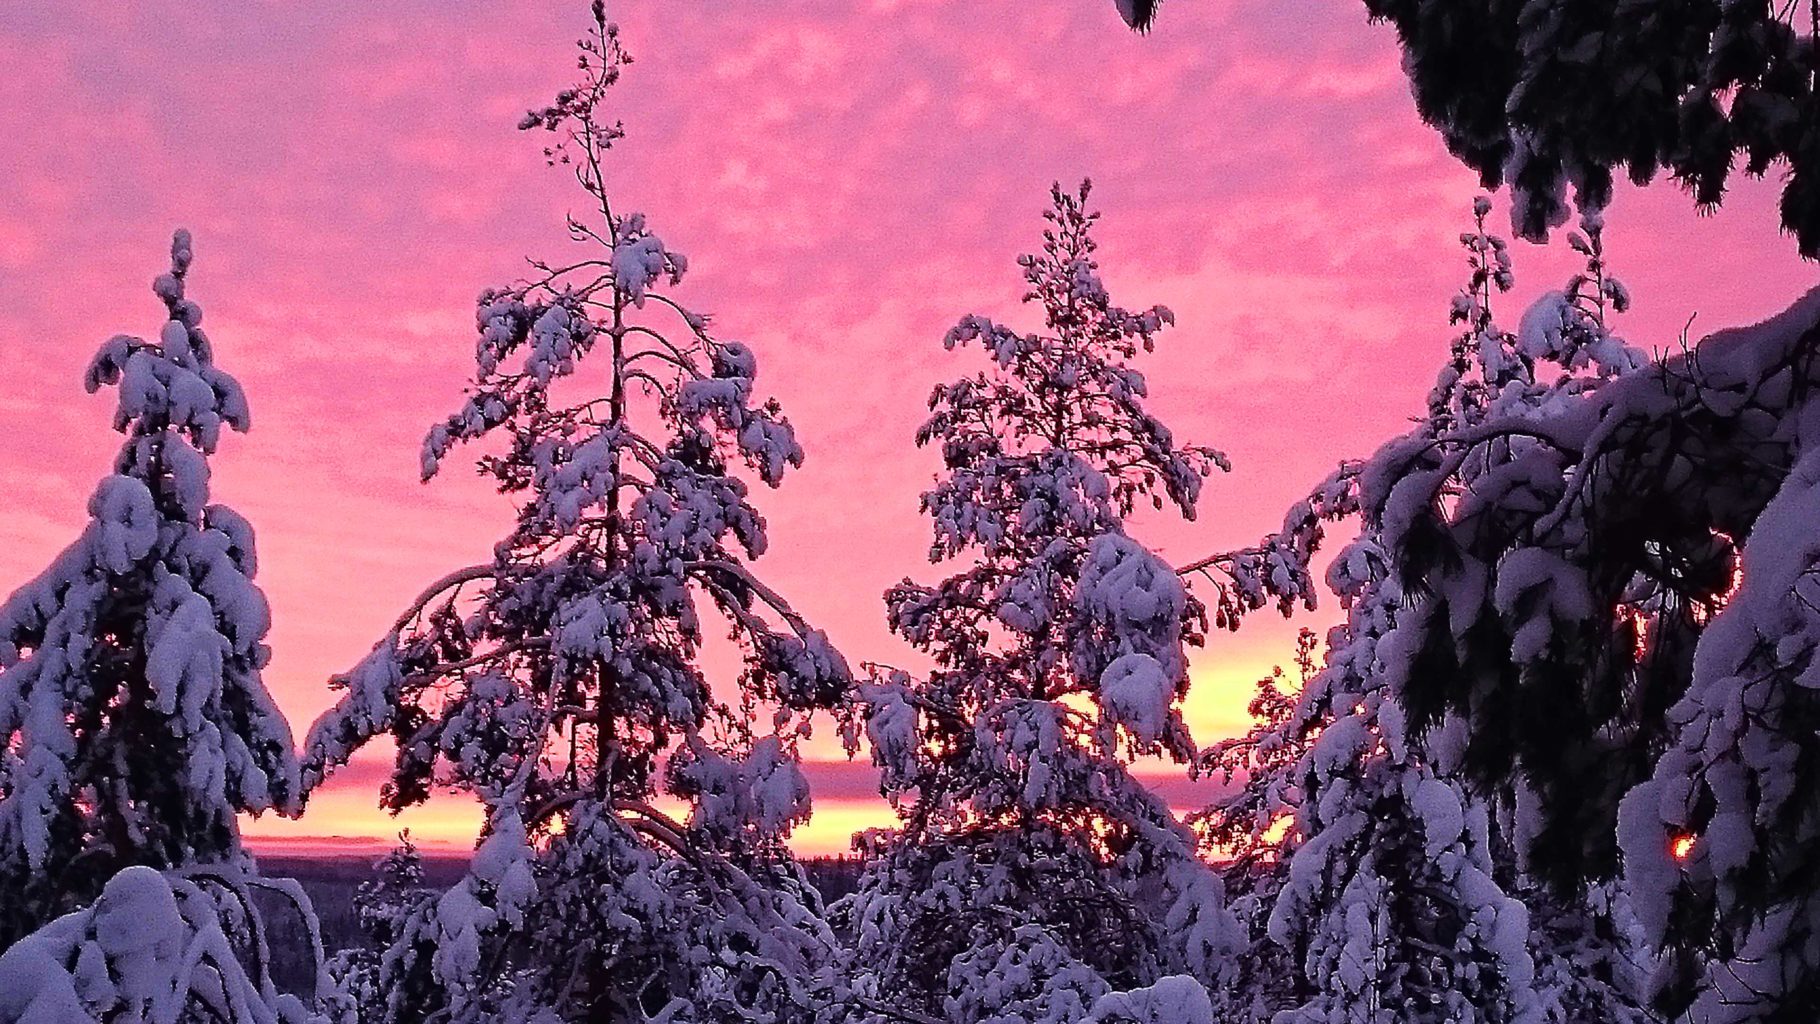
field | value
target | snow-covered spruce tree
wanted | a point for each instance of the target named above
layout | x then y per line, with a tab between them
1390	906
1371	788
134	725
1568	554
1564	554
1588	546
560	683
1033	873
1548	94
157	948
1562	351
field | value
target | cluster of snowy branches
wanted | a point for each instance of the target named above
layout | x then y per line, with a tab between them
1559	763
1554	96
1555	766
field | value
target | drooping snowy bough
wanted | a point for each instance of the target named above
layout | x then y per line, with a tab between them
560	682
1600	633
1569	561
134	725
1033	873
1553	95
153	949
1721	847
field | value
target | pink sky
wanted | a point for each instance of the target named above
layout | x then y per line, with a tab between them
848	178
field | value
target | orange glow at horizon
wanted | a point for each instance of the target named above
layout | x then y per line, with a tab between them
347	818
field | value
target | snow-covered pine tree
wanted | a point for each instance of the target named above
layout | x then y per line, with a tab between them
1033	873
1548	94
560	683
134	726
1373	790
1588	545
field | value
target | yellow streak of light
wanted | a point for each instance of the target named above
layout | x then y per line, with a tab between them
1221	688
